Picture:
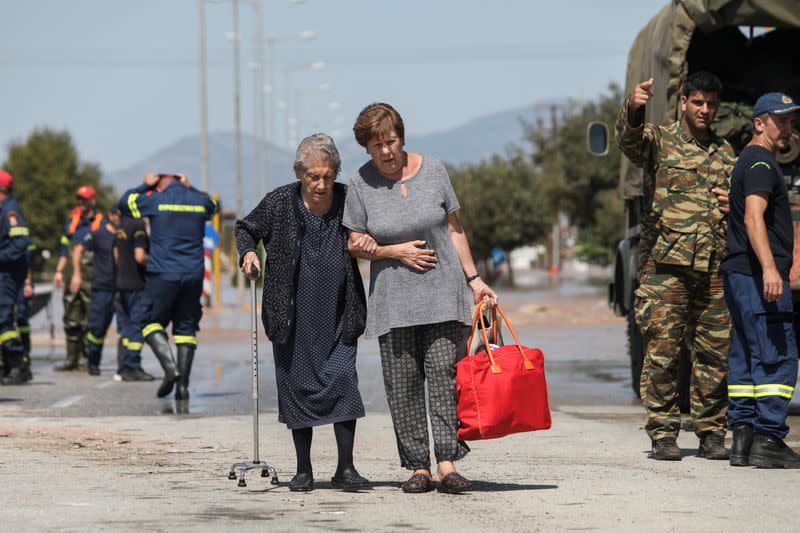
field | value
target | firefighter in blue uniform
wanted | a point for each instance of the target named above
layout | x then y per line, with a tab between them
76	304
131	247
177	213
14	242
23	325
100	242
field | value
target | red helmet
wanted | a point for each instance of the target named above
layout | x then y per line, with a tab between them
86	192
5	179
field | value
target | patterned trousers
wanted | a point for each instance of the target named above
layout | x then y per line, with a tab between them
410	357
676	307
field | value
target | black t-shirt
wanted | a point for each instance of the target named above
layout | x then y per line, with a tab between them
101	242
755	171
130	234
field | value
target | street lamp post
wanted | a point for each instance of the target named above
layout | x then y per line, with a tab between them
290	118
238	132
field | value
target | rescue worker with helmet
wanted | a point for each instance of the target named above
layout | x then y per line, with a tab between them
14	242
100	242
178	213
76	304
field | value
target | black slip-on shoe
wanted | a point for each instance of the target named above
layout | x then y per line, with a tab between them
302	482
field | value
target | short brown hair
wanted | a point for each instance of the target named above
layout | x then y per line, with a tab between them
377	119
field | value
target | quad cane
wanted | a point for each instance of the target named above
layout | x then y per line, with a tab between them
255	464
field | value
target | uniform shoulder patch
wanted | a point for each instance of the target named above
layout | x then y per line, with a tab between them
760	163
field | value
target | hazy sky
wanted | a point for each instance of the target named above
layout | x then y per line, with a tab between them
122	75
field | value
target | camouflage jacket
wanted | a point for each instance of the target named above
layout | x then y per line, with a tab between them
681	221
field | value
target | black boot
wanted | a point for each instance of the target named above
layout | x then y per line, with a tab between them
160	345
742	441
185	358
74	351
712	446
13	370
666	449
768	451
27	375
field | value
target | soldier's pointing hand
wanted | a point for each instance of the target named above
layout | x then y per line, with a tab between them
641	95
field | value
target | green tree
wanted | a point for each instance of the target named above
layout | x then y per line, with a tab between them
501	204
578	183
47	170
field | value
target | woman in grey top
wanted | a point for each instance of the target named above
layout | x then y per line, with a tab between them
400	210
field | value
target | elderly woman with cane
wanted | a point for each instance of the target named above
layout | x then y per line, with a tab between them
401	212
313	306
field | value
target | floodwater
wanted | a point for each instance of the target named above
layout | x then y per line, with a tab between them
586	362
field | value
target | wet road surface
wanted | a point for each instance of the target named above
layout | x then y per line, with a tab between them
586	364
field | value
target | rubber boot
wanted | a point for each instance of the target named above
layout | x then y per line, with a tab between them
185	358
27	375
74	351
159	343
120	355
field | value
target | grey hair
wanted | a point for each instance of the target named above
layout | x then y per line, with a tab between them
316	147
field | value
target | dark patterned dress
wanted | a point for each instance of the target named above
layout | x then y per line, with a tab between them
315	371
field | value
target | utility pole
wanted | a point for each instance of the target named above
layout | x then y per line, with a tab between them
201	15
238	133
259	151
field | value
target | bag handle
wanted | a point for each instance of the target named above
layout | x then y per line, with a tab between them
479	310
478	314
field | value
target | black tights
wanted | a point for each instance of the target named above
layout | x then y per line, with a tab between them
345	435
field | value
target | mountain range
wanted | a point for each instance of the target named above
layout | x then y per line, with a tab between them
471	142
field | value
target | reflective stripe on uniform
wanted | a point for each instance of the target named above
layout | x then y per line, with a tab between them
180	208
740	391
185	339
150	328
64	240
94	340
774	389
18	232
132	205
31	248
8	335
134	346
24	329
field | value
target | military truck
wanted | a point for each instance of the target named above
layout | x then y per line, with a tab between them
753	47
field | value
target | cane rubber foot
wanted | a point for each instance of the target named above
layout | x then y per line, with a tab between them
231	475
264	473
274	480
242	483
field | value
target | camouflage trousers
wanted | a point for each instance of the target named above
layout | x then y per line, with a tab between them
678	308
76	314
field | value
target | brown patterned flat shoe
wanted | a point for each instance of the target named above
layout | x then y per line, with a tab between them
453	483
417	484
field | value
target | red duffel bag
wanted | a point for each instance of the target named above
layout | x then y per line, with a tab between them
500	390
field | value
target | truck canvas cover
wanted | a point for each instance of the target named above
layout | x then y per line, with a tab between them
660	52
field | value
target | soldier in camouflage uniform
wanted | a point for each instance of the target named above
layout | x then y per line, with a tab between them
680	298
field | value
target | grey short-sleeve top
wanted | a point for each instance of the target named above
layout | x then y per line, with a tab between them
400	296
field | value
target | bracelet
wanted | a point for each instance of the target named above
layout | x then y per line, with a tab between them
470	279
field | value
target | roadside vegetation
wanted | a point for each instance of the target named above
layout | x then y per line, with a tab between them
513	200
